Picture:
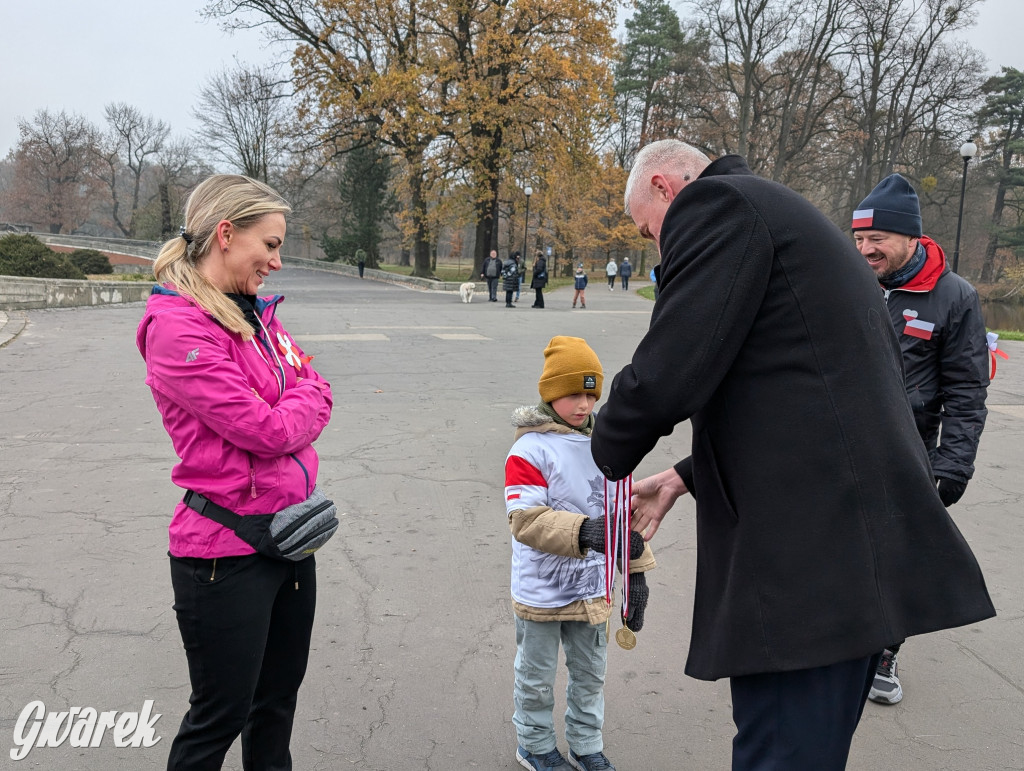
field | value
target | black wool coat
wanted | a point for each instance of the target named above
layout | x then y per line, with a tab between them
820	534
540	274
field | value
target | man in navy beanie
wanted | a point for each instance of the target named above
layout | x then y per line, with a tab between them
937	316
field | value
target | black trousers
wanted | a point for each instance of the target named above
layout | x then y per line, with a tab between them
362	266
246	630
792	721
508	297
492	288
539	302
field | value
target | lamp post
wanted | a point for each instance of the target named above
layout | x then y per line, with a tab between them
526	226
967	151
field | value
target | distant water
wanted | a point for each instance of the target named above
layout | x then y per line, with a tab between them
1003	315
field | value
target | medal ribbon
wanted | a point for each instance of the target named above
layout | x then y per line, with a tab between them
617	519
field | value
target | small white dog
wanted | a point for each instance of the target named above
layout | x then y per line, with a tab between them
466	291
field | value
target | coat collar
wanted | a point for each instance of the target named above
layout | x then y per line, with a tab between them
727	164
933	269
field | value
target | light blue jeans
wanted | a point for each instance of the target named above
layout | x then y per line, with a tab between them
586	658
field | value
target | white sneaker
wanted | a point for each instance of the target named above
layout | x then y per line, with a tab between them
886	688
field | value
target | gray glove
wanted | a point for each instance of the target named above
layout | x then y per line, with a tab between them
592	537
638	596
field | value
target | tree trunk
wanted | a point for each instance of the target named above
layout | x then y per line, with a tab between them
165	210
988	265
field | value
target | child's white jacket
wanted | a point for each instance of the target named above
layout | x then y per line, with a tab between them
551	485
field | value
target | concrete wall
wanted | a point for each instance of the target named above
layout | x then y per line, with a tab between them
17	293
125	246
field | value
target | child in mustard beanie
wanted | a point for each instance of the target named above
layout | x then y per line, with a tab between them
554	499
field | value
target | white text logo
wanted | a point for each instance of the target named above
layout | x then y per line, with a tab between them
82	727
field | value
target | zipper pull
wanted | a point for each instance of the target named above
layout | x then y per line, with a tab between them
252	480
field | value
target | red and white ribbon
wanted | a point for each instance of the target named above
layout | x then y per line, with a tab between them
617	519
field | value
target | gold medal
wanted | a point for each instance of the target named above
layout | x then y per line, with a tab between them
626	638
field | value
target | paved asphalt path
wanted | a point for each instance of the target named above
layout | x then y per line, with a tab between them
412	654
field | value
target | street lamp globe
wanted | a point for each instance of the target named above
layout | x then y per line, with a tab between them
967	151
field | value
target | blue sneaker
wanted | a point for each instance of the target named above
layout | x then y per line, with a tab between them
593	762
552	759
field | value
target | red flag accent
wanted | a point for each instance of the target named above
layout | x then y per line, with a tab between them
920	329
519	471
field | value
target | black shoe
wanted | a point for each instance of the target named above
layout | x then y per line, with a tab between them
509	305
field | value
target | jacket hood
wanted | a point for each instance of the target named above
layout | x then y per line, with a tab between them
933	269
529	419
163	299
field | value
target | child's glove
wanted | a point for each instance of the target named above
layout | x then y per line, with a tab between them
592	537
638	596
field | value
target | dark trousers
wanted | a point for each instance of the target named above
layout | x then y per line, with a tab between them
508	297
539	302
492	288
246	630
792	721
625	283
362	266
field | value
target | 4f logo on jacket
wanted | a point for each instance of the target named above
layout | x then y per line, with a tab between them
917	328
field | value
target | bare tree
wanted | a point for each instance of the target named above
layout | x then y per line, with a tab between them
177	168
243	114
125	153
906	74
52	184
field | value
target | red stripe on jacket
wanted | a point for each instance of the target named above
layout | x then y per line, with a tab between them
519	471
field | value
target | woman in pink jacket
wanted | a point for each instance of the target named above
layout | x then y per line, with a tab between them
242	407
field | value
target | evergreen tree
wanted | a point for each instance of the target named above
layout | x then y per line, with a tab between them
1004	111
362	188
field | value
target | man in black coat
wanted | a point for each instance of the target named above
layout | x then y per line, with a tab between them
937	316
820	534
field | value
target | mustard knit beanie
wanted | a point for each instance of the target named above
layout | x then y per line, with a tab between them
570	367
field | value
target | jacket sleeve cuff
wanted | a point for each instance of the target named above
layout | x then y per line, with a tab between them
685	470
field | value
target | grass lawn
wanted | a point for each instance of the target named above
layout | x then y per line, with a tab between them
1008	334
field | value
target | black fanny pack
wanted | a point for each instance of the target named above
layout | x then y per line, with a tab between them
292	533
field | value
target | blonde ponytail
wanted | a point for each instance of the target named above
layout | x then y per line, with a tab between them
239	200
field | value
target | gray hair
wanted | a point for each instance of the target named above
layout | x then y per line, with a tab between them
665	155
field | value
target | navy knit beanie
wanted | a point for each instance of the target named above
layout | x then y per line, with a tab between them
892	206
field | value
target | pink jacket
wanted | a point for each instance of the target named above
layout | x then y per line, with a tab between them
242	442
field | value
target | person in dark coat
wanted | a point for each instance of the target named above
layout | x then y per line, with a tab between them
821	537
510	278
539	280
625	271
937	316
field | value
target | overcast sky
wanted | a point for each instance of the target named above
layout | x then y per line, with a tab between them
78	56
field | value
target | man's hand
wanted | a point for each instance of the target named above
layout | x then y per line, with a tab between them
950	490
652	498
592	537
